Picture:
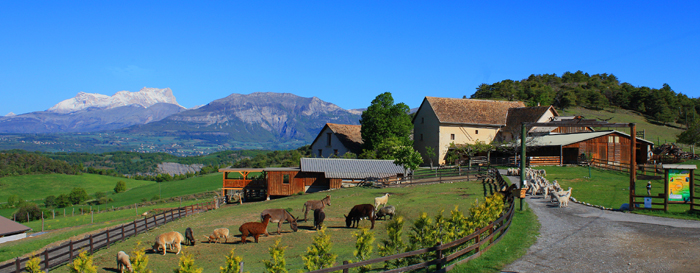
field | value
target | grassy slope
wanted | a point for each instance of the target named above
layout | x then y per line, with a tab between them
653	132
409	201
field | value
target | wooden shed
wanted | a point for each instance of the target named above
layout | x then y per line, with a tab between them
606	146
289	181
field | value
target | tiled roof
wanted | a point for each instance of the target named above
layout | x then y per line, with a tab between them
349	135
351	168
9	227
516	116
470	111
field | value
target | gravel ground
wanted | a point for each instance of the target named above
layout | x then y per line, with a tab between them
585	239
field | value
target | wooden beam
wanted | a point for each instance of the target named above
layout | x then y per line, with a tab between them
577	123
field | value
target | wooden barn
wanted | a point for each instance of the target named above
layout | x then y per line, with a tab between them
11	230
314	174
606	146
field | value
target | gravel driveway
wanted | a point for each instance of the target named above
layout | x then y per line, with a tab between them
585	239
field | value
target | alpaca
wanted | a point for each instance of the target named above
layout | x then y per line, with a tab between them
255	229
123	262
217	235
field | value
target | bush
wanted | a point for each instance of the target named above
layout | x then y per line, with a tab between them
104	200
278	263
394	244
121	187
186	265
318	255
50	201
99	195
31	209
13	200
233	263
33	265
363	247
63	200
139	260
82	264
78	195
155	197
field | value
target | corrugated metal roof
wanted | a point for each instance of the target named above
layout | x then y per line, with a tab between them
351	168
8	227
566	139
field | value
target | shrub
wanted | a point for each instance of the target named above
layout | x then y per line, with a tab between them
186	265
139	260
278	264
155	197
319	255
233	263
33	265
13	200
63	200
99	195
30	209
120	187
104	200
394	244
50	201
363	247
78	195
82	264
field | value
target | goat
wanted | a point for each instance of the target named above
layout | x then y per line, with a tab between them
315	204
359	212
173	238
564	200
189	237
255	229
382	200
123	262
217	235
384	211
319	216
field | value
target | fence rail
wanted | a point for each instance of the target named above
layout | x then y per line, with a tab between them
475	243
64	253
441	174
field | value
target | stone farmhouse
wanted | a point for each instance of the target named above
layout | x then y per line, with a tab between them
336	140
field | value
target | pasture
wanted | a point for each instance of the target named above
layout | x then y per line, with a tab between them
409	201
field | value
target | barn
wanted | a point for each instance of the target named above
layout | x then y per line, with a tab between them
11	230
314	174
611	147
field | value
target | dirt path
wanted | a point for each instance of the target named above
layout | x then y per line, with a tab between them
585	239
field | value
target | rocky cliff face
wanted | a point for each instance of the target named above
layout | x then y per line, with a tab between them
145	98
256	117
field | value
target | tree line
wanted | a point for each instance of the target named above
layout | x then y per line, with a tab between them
596	91
13	164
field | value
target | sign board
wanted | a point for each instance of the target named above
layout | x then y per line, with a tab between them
678	185
647	202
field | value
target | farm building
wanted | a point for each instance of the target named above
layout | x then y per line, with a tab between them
11	230
336	140
516	117
611	147
314	174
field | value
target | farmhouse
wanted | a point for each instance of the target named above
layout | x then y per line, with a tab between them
441	121
314	174
336	140
609	147
11	230
539	114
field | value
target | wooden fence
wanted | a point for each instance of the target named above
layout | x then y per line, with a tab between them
463	250
439	175
56	256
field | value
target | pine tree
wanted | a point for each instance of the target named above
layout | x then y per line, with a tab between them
278	264
319	255
363	247
139	260
186	265
394	244
33	265
233	263
82	264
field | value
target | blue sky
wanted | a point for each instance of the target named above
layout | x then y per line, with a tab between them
344	52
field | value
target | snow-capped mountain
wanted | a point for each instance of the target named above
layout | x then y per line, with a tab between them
146	97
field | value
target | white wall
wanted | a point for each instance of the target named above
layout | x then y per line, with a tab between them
13	237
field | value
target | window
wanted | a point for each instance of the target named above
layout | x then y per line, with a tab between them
476	132
320	153
335	151
610	139
421	137
422	120
452	136
285	179
617	139
329	139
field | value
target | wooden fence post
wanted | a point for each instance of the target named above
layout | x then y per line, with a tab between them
17	265
145	220
91	248
92	216
491	233
241	267
123	238
107	236
347	270
136	206
46	259
135	228
477	240
71	249
42	221
439	255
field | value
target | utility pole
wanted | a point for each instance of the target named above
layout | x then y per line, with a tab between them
523	138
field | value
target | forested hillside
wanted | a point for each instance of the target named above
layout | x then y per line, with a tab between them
596	91
13	163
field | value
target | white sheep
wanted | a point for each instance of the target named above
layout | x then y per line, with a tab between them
382	200
123	262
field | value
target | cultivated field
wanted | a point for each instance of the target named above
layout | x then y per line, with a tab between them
410	201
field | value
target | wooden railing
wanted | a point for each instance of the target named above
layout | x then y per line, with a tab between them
439	175
56	256
465	249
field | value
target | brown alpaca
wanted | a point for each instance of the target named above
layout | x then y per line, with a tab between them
255	229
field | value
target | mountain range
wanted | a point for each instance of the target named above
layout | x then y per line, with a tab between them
277	120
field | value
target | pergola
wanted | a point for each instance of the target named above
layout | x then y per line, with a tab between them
238	184
583	123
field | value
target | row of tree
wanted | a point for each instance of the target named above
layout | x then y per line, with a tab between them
13	164
595	91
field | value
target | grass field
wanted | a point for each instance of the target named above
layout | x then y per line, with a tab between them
409	201
611	188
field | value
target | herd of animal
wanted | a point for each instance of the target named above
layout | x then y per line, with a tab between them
538	184
173	240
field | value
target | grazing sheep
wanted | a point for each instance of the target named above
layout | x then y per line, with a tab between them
319	216
388	210
382	200
255	229
217	235
123	262
189	237
173	238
